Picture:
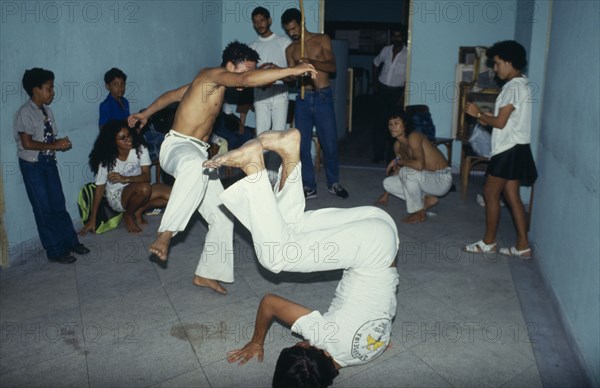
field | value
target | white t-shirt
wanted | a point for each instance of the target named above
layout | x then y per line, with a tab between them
393	73
518	127
272	50
358	325
130	167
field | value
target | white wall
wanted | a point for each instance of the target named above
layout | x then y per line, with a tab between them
159	45
438	30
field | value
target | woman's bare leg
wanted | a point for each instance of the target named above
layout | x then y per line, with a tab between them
513	198
492	190
134	196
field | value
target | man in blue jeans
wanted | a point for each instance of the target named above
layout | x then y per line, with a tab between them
316	108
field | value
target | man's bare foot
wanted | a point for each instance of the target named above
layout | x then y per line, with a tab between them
132	227
383	200
416	217
430	201
160	246
285	143
210	283
248	157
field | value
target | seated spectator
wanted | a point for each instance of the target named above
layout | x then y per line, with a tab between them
122	167
115	106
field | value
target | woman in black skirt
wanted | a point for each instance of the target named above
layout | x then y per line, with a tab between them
511	164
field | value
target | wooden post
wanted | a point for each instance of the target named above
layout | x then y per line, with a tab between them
302	25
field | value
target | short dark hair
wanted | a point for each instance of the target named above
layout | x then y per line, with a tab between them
405	118
291	14
237	52
299	366
35	78
261	11
509	51
113	73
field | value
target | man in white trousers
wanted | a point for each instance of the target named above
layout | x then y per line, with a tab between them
363	241
185	148
419	174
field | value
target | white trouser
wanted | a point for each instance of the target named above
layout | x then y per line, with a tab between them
270	109
196	189
411	185
288	239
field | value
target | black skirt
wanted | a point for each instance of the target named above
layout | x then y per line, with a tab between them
515	163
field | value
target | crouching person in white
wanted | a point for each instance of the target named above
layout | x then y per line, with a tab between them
419	174
363	241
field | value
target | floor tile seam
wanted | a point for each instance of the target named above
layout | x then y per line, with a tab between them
431	367
45	360
85	347
460	313
37	317
220	307
179	320
181	374
534	365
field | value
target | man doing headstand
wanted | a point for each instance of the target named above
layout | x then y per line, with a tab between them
363	241
185	148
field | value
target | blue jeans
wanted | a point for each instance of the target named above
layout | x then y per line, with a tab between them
45	193
316	109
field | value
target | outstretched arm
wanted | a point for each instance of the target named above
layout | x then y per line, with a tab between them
161	102
271	307
254	78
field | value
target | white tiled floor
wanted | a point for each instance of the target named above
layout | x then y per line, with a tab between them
117	318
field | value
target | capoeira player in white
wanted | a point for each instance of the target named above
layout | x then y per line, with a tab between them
363	241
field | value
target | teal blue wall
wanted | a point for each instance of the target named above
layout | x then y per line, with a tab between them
159	45
566	209
236	17
438	30
532	31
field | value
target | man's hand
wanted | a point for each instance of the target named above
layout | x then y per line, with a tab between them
245	354
392	167
303	68
135	118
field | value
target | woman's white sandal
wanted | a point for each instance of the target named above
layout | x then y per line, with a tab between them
480	247
513	251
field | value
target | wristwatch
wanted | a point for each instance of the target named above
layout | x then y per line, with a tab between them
478	115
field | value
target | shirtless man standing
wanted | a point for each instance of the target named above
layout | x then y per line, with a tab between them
419	174
185	149
316	109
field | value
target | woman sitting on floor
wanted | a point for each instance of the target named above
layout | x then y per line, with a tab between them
122	167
